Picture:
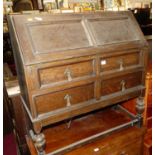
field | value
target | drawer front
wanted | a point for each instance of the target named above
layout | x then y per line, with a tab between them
119	62
120	83
57	100
67	72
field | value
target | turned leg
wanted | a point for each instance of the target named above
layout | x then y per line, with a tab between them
39	141
140	110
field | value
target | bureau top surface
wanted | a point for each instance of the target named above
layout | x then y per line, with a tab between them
46	37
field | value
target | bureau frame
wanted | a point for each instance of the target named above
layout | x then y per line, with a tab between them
94	61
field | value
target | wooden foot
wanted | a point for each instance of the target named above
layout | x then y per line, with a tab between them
140	109
39	140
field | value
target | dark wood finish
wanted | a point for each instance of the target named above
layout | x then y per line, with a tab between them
33	46
121	83
62	99
20	119
36	4
109	145
7	120
129	140
72	64
147	116
119	62
21	123
21	5
63	73
130	105
66	73
115	144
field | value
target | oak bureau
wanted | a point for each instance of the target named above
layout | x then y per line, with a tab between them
72	64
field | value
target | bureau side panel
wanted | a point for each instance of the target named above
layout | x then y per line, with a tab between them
18	62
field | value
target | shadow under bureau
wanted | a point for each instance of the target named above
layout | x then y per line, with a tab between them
73	64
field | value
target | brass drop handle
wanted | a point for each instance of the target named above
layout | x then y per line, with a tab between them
68	98
123	85
68	73
121	67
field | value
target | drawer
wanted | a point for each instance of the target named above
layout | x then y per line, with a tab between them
120	83
68	72
65	98
119	62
